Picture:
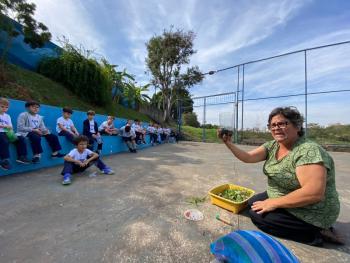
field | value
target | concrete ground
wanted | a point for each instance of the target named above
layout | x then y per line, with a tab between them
136	215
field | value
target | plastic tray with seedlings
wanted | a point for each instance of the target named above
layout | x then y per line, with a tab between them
231	197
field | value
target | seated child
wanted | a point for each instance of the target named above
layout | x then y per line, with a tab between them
166	134
140	134
160	134
174	136
30	124
107	127
128	136
6	125
65	126
81	158
152	133
90	130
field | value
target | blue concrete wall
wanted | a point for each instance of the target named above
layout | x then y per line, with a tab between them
22	54
112	144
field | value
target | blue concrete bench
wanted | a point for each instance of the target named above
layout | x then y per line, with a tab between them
111	144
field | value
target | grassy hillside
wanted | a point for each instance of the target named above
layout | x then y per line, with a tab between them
24	85
195	134
337	135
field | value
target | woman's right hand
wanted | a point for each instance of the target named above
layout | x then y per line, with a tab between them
224	137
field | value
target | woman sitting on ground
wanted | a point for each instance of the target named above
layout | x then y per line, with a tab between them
301	202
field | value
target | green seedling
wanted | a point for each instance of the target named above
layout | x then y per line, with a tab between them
196	200
235	195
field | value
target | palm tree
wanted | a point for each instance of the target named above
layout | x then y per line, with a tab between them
135	94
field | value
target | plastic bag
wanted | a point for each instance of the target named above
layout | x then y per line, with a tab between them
11	135
250	246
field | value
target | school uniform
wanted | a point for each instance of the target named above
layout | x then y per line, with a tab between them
153	134
160	134
138	132
70	167
26	123
68	125
104	126
90	128
21	147
127	136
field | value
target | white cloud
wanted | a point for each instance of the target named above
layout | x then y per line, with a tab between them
69	18
244	28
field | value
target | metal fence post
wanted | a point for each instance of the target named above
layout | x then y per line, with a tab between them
237	96
242	101
204	119
305	60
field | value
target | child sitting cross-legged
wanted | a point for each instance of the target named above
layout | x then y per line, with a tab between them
81	158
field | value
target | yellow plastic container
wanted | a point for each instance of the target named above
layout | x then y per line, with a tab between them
227	204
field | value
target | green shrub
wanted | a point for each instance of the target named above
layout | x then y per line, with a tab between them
82	75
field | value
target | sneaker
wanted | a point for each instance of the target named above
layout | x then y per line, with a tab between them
108	170
57	155
134	151
5	164
23	159
67	179
130	150
36	159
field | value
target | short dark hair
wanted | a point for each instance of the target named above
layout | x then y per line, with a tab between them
292	114
127	128
80	138
68	110
31	103
136	120
91	112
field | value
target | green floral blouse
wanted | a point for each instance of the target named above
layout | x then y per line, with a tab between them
282	180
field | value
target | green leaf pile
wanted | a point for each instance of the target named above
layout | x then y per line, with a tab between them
235	195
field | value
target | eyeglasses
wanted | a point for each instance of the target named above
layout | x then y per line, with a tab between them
278	125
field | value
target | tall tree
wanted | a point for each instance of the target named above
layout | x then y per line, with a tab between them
167	54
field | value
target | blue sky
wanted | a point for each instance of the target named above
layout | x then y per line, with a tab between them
228	33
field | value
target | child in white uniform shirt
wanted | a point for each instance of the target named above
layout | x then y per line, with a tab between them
107	127
81	158
65	126
6	125
140	135
152	130
128	136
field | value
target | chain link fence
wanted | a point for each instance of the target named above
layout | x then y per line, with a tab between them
315	80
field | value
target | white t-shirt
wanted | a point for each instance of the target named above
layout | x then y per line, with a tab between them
137	128
105	125
5	120
92	126
123	133
66	123
167	131
34	121
151	129
76	155
160	130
